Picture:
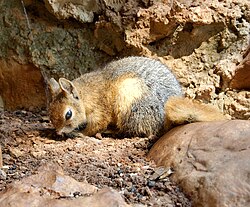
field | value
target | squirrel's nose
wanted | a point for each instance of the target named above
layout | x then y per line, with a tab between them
82	126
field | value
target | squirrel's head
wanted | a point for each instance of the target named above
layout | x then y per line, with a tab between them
66	109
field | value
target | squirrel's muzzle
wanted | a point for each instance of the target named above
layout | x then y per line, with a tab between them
82	126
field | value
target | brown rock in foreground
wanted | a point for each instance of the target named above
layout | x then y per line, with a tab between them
211	161
50	187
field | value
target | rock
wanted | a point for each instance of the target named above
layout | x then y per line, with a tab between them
241	79
1	157
15	152
82	11
50	187
57	41
3	175
105	197
210	161
21	86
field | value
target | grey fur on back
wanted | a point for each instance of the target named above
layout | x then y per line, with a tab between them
157	76
148	114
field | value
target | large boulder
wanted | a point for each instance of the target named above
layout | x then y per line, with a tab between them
210	161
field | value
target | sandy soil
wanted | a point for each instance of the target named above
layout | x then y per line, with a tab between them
28	141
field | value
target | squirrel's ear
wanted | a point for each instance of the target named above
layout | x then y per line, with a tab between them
54	87
68	87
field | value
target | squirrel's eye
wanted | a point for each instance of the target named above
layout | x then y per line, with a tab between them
68	115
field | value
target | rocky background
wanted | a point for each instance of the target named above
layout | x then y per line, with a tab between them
203	42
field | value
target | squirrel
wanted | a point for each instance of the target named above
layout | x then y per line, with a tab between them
132	96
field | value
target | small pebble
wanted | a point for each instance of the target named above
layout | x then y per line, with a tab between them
3	175
151	183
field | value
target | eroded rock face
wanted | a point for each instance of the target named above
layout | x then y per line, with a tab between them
210	161
50	187
80	10
39	43
201	41
21	86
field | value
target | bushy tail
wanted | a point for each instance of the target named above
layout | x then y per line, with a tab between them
180	110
